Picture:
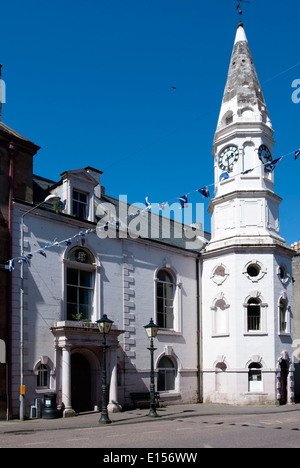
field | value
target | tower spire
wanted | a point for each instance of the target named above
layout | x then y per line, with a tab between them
243	90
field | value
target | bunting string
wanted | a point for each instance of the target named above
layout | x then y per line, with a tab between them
183	200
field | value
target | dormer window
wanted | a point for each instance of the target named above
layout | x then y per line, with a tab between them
78	190
80	204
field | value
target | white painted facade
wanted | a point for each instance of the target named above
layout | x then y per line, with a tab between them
247	272
124	286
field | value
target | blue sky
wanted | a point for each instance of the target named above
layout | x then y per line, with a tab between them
91	83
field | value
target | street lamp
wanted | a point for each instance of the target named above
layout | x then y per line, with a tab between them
48	199
151	330
104	325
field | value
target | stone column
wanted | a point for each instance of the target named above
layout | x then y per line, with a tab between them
66	382
113	405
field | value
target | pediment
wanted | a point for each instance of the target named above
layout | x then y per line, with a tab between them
81	176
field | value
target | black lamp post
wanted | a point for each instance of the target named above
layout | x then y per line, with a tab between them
151	330
104	325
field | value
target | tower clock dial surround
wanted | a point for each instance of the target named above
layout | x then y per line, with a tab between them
264	154
228	157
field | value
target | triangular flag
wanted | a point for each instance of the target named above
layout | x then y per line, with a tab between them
269	167
183	201
204	191
41	252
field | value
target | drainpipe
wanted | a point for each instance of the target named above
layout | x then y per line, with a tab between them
199	330
12	149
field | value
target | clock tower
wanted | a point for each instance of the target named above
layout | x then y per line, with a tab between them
247	308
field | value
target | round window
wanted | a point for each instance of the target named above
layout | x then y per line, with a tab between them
253	270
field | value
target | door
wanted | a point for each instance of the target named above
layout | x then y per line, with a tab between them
283	382
80	383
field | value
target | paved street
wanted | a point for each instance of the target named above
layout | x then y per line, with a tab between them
180	427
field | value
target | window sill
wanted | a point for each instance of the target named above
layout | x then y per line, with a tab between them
166	331
256	333
220	335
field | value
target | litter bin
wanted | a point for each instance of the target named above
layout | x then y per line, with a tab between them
50	410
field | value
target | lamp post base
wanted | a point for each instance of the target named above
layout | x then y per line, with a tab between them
104	419
152	413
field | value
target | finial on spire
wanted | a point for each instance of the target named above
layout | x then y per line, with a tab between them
239	6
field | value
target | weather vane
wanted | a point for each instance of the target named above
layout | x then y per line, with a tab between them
239	6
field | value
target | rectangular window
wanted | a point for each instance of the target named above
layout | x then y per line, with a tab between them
80	205
79	294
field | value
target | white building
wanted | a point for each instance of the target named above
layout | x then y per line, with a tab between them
80	268
246	310
225	312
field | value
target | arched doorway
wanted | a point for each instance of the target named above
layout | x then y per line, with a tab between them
80	383
283	381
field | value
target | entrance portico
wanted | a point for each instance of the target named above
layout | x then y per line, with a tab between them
78	356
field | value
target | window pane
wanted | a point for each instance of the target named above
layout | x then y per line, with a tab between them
165	362
169	291
83	197
160	289
161	385
170	380
84	311
84	296
85	279
72	276
160	319
160	305
72	311
72	294
169	317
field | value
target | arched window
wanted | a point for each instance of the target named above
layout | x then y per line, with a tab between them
166	374
165	293
283	315
254	314
42	376
80	284
255	377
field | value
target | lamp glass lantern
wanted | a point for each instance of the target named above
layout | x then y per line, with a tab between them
151	329
104	325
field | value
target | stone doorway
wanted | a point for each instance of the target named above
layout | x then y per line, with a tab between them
81	387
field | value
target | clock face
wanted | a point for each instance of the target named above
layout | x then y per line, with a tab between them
264	154
228	158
